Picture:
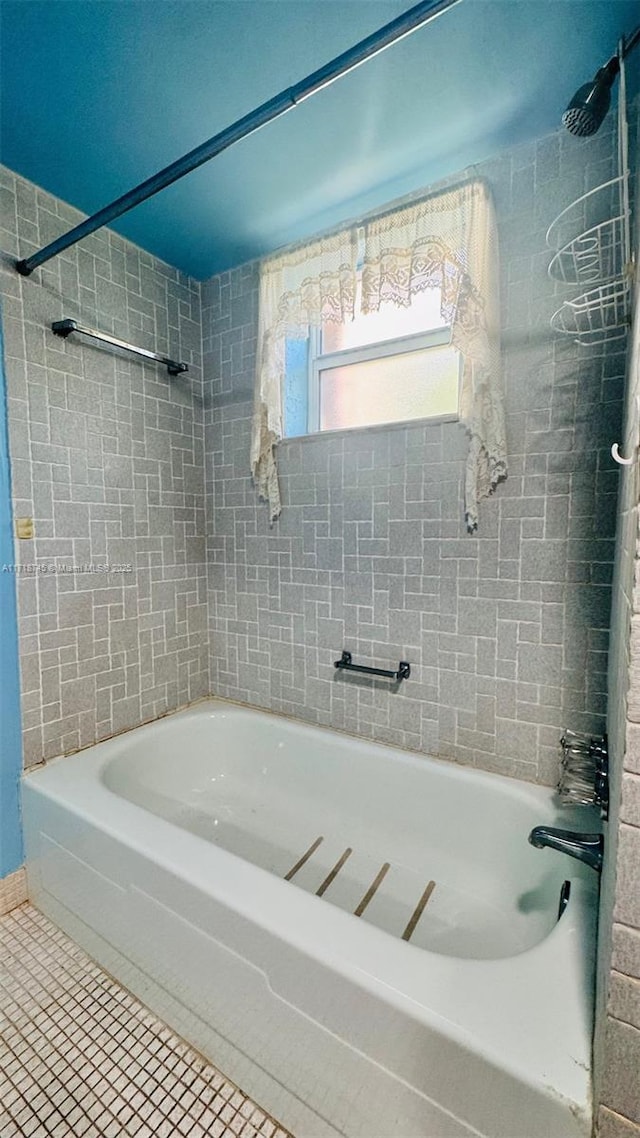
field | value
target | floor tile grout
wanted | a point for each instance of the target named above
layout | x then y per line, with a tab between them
81	1057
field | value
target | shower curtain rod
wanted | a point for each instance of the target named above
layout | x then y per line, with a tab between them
365	49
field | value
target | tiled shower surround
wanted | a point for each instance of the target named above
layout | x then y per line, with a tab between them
506	631
107	457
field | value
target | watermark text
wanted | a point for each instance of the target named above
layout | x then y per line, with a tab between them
33	569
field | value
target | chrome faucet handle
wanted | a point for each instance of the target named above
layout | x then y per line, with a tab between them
588	848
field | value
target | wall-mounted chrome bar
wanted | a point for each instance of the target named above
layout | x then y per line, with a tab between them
345	664
64	328
390	33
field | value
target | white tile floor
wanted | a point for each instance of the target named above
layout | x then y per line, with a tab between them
81	1056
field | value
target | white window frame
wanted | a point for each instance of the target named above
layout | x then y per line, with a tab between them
401	345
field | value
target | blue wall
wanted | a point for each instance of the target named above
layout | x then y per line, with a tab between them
11	853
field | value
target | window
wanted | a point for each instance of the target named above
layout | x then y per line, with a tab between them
435	255
389	366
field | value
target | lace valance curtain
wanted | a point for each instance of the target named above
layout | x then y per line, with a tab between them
299	289
449	241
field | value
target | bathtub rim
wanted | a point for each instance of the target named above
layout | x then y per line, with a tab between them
511	783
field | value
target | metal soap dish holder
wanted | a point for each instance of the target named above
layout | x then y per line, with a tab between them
599	256
599	316
597	253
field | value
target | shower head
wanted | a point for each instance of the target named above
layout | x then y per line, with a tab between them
589	105
587	109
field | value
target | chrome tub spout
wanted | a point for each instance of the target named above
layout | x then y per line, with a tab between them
588	848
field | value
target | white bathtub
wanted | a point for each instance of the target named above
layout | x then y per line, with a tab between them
165	851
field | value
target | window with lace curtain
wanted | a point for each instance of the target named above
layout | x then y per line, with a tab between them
389	366
393	319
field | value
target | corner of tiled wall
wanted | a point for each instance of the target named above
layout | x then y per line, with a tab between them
617	1041
107	458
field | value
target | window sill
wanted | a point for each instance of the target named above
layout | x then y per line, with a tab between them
376	428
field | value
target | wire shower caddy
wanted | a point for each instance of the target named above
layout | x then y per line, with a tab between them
598	256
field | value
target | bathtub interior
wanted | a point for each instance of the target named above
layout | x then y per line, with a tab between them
442	862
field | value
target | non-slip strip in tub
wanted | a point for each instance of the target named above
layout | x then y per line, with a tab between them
333	873
418	911
305	857
371	891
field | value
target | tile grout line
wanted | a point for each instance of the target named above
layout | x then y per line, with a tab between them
82	992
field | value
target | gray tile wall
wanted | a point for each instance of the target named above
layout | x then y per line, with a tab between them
506	632
617	1049
107	457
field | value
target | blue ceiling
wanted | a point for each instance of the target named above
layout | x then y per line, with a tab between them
98	95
